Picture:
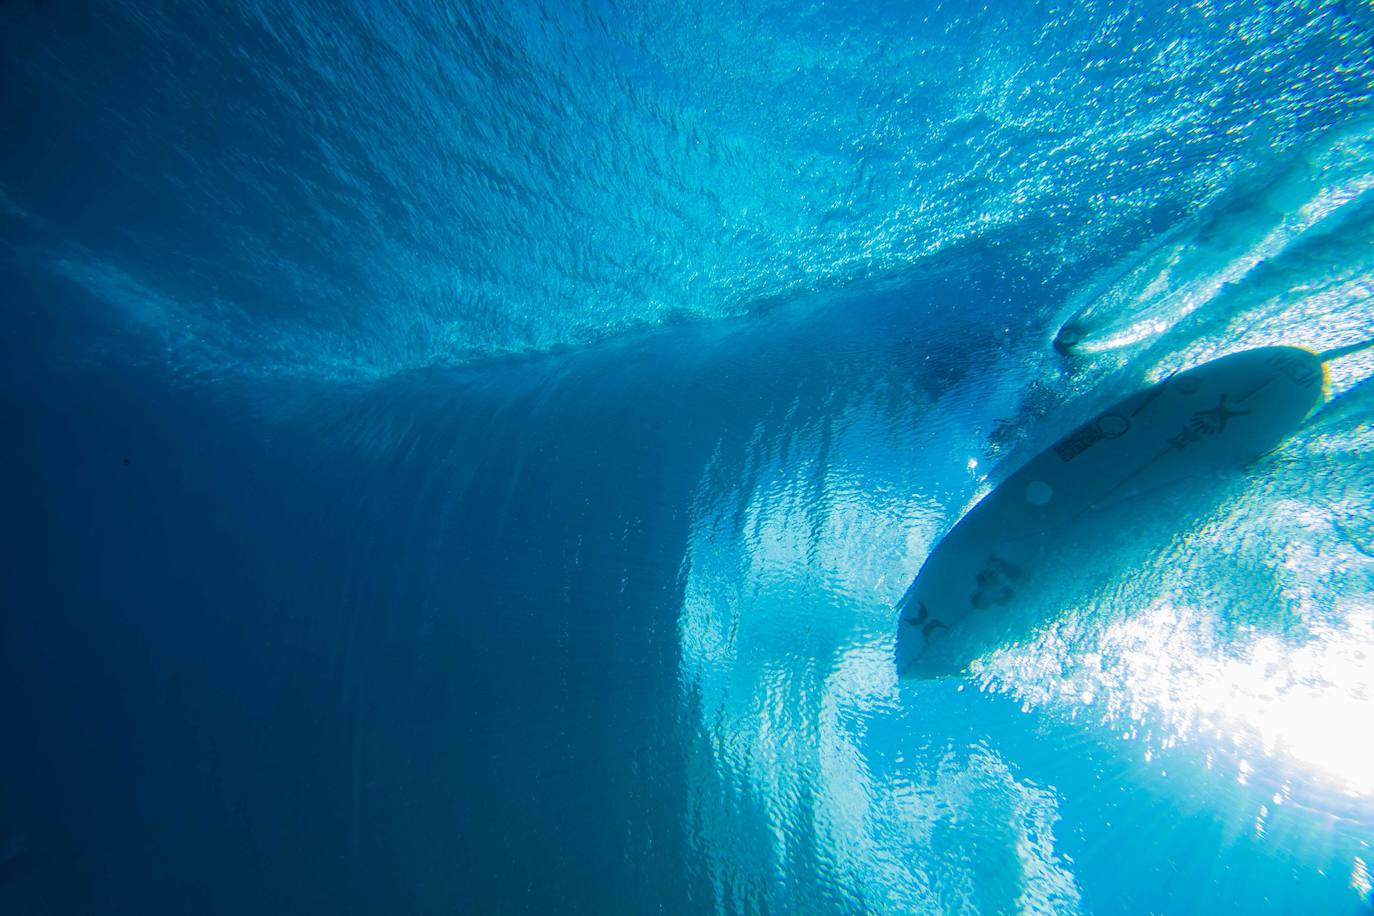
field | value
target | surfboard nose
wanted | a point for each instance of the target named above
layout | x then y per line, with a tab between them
924	657
919	637
911	616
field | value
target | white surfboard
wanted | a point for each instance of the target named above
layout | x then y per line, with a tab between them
1200	422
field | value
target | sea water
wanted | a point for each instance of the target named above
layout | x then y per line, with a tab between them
464	458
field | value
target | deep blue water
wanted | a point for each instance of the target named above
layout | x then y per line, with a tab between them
463	459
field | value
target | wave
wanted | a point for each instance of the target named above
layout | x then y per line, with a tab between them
1310	224
364	194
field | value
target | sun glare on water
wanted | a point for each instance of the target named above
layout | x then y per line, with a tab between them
1308	706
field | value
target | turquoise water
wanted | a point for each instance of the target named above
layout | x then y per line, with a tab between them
464	459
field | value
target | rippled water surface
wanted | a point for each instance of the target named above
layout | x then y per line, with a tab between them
464	458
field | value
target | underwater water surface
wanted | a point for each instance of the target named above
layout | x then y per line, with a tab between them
464	458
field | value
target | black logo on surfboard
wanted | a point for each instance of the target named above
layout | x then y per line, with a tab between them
997	583
1212	421
1205	423
1107	426
927	627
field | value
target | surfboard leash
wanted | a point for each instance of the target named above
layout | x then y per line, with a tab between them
1338	352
